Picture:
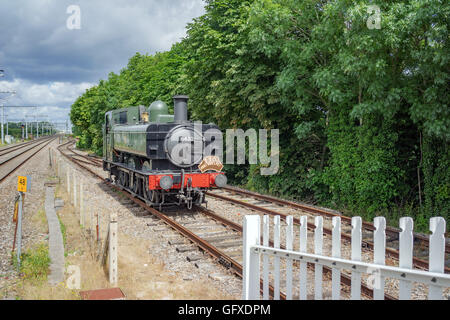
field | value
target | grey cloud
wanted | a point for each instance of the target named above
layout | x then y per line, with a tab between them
39	53
36	44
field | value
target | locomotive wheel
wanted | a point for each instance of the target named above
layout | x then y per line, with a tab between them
123	179
153	196
137	186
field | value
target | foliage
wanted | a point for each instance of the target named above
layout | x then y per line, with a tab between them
362	112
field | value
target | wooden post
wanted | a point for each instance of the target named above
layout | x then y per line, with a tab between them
437	254
318	249
406	241
250	281
75	191
68	180
336	253
289	262
55	163
379	241
276	263
113	249
91	224
303	266
58	170
81	203
266	230
356	256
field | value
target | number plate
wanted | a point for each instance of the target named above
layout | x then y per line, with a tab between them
22	184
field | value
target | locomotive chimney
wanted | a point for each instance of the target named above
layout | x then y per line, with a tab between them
180	108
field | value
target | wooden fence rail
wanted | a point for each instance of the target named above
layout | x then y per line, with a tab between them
434	278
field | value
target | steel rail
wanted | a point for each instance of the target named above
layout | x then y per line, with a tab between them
16	147
93	160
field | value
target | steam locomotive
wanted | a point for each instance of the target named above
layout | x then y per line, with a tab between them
159	157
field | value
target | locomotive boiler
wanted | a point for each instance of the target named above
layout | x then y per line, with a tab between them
159	157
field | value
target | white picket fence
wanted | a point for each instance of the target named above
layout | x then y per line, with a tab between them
434	278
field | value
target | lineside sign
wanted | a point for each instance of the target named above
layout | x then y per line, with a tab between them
22	184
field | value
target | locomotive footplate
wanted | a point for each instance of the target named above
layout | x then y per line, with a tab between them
166	187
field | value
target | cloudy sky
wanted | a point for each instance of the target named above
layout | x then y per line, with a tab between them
50	64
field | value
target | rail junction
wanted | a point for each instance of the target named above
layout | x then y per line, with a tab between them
224	242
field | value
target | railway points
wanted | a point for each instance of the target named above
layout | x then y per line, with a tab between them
221	257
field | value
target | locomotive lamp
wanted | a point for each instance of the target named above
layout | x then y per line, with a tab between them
220	180
144	117
166	182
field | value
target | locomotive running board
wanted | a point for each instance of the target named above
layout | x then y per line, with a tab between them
143	173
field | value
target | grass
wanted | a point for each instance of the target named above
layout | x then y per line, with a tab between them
64	234
40	220
35	262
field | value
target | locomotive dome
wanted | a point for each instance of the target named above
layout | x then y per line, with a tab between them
157	108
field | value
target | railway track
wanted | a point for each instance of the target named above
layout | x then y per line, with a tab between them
89	160
274	206
223	241
204	245
14	147
7	166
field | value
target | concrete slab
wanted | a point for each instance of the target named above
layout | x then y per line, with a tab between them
59	203
55	239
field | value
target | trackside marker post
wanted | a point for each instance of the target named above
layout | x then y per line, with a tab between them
22	186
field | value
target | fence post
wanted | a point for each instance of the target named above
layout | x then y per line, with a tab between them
289	246
74	191
406	254
68	180
113	249
303	294
437	254
58	173
81	203
336	253
356	256
276	267
379	240
318	269
251	260
91	223
265	258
